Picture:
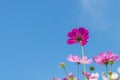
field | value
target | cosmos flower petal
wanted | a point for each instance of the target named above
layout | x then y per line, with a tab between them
108	54
85	60
70	35
81	30
73	58
89	61
71	41
75	32
83	43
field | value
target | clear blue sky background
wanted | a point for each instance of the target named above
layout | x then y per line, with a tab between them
33	35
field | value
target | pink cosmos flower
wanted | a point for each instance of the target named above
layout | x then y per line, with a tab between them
70	74
78	59
78	35
64	78
91	76
105	58
71	77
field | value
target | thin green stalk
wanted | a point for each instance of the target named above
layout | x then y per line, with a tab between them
84	66
106	68
111	67
65	72
78	70
82	51
110	71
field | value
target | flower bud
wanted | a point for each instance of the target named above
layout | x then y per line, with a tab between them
111	62
71	76
92	68
53	78
62	65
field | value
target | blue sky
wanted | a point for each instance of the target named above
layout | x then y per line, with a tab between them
33	35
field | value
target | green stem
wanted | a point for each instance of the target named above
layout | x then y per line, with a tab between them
111	67
65	72
106	68
84	66
78	71
109	74
110	71
82	51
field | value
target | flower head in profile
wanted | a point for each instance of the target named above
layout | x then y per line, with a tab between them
80	35
106	58
91	76
78	59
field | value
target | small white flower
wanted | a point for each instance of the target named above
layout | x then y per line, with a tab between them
118	69
104	77
94	74
114	75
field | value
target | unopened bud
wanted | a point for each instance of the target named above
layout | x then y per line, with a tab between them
92	68
70	74
62	65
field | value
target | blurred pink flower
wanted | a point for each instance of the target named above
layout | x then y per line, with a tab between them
71	77
78	59
70	74
78	35
64	78
91	76
105	58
